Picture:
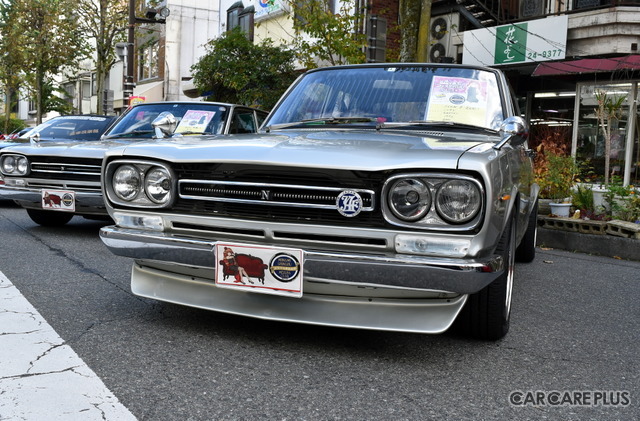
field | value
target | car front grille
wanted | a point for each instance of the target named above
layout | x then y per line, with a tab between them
66	173
276	193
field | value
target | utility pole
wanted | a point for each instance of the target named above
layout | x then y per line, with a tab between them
129	84
152	16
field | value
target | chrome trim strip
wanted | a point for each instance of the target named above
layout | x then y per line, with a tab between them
462	276
263	186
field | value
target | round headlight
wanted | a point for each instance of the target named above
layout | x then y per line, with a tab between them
22	165
9	164
409	199
458	201
127	182
157	184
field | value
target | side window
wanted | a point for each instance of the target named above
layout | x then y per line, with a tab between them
242	122
261	117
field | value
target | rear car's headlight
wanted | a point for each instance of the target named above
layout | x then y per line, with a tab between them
458	201
139	183
409	199
14	164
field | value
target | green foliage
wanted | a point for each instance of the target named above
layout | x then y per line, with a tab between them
51	41
13	124
622	202
582	198
325	37
104	21
58	102
238	71
557	182
11	75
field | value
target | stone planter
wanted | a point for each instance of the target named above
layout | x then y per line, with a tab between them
560	209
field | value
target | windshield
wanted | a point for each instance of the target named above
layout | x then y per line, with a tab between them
71	128
451	95
192	118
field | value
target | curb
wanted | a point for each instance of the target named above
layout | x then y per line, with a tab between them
601	245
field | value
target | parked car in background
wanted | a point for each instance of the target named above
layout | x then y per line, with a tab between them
382	196
68	128
56	180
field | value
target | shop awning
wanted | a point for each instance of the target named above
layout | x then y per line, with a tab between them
588	65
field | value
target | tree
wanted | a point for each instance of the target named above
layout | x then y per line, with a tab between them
608	113
415	17
236	70
54	42
11	41
324	36
104	21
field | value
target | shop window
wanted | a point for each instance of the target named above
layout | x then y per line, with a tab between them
597	124
148	61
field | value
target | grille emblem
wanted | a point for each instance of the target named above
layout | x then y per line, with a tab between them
265	195
349	203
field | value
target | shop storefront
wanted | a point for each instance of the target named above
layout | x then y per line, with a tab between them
582	119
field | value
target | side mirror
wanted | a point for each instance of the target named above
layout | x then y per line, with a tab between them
164	125
513	130
34	139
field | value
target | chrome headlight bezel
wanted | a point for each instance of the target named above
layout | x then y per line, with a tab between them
433	219
140	170
16	165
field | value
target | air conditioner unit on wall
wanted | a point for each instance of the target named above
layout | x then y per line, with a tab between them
444	38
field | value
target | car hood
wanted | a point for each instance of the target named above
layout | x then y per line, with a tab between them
353	149
87	149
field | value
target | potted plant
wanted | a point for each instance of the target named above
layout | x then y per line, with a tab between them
558	181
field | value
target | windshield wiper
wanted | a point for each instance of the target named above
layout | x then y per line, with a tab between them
432	124
325	120
129	134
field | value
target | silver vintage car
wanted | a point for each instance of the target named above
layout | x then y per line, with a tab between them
60	178
380	196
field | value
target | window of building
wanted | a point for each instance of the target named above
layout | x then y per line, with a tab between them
245	21
233	15
86	89
619	126
148	61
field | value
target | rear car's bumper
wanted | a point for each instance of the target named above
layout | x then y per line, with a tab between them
86	202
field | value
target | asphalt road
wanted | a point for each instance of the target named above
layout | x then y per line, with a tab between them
573	343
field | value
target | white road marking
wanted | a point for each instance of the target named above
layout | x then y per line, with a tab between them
41	377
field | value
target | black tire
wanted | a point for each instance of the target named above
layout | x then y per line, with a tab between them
487	313
526	251
49	218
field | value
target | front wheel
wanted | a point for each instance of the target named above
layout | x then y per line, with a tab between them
49	218
526	251
486	313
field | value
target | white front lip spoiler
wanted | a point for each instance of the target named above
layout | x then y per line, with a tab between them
391	314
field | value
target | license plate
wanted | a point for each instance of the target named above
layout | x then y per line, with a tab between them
267	270
61	200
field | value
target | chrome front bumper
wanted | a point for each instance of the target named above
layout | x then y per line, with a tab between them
461	276
87	203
